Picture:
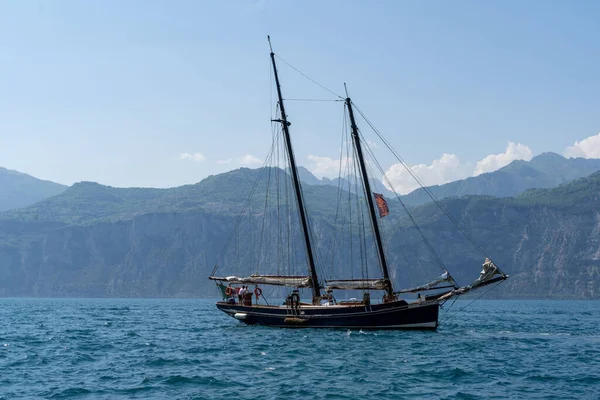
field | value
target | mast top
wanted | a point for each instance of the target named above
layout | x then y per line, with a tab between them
270	47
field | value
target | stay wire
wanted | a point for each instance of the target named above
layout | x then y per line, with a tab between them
365	145
309	78
448	316
360	221
328	100
410	216
316	254
422	185
266	214
335	236
278	190
244	208
291	244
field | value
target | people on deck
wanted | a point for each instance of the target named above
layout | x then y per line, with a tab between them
327	298
239	294
245	296
324	300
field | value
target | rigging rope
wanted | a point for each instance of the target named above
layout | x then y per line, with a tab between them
422	185
448	316
277	189
291	244
360	220
285	218
336	237
265	215
246	205
309	78
311	100
310	227
414	222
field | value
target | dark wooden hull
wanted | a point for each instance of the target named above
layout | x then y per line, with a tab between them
394	315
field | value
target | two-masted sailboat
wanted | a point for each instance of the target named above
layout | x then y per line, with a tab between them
322	310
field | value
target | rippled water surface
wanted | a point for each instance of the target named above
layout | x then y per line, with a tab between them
186	349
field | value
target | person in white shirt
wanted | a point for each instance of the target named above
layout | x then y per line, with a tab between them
243	292
241	295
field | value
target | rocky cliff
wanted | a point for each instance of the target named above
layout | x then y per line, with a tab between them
103	243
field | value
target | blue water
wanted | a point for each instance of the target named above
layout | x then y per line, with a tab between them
186	349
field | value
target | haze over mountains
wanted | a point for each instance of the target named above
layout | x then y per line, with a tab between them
546	170
95	240
20	190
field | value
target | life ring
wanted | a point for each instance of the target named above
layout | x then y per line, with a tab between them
257	292
229	291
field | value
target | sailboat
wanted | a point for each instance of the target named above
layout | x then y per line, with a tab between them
322	310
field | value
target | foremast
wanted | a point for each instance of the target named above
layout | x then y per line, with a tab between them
316	292
369	195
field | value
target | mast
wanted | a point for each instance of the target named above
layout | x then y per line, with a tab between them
369	195
316	292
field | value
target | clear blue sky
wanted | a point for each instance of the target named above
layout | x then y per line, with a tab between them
117	91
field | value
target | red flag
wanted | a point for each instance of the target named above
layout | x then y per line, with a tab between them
381	204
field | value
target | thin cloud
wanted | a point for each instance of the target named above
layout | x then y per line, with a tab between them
446	169
449	168
225	161
493	162
325	166
587	148
196	157
250	160
372	144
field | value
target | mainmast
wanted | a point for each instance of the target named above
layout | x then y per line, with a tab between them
369	195
316	292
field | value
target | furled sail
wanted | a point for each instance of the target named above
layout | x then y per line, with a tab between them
489	271
445	277
277	280
357	284
489	274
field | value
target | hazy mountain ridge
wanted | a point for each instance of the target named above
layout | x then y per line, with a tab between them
351	182
90	202
94	240
546	170
21	190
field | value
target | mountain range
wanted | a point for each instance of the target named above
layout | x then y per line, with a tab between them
20	190
546	170
95	240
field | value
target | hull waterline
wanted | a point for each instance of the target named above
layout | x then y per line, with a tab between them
394	315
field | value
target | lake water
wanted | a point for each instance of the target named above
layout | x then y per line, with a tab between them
186	349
